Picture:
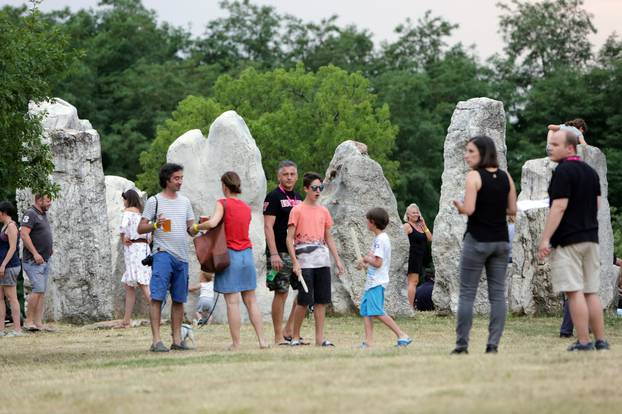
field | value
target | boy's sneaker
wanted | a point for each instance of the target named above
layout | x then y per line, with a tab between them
601	345
578	346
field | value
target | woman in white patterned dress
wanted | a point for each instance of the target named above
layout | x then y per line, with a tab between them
135	249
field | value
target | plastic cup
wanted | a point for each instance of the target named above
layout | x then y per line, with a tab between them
203	219
166	225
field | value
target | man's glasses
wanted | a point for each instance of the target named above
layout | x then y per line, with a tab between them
319	188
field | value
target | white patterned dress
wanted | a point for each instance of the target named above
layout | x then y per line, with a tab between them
135	272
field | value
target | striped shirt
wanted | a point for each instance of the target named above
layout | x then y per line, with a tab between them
179	211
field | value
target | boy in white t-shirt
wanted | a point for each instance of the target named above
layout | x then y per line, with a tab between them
377	262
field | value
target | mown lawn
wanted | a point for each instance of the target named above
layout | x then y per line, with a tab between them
100	371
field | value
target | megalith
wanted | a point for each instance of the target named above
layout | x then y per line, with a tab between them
531	291
80	285
229	147
354	184
477	116
115	186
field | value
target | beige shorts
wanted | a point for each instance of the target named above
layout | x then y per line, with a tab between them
576	267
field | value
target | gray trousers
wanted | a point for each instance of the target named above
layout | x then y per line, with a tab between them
475	256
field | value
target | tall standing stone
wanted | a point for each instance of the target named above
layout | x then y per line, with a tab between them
115	186
355	183
531	291
228	147
478	116
80	286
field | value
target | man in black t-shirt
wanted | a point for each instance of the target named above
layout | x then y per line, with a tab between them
571	237
36	235
276	208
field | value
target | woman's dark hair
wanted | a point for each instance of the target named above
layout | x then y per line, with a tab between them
133	199
7	208
379	217
487	151
578	123
231	180
167	171
309	177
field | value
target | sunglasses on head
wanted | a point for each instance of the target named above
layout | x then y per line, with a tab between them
317	187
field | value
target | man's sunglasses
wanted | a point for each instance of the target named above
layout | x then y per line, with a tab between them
317	187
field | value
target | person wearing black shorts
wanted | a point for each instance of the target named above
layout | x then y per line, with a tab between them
276	209
309	243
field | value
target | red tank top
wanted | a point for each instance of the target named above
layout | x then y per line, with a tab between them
237	220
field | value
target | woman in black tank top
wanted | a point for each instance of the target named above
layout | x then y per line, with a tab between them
418	236
489	197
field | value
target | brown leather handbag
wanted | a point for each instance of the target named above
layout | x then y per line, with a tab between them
211	248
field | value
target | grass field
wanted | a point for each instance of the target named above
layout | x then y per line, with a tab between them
110	371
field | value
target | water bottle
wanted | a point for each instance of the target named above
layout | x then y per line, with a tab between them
271	275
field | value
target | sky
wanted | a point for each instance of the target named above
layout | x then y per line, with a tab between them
477	18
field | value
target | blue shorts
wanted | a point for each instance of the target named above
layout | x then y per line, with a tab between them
372	303
38	274
169	273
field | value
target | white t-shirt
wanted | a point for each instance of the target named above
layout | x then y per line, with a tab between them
207	290
376	276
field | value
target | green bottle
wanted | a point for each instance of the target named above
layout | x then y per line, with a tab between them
271	275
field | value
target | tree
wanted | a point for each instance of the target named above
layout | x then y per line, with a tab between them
546	34
292	114
418	45
33	56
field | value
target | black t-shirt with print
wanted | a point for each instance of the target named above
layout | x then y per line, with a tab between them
279	203
579	183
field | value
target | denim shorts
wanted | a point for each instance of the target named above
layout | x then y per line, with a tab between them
38	274
10	276
169	274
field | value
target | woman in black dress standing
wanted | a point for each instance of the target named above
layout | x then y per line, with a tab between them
418	235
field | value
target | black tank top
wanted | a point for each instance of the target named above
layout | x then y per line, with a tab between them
418	241
488	222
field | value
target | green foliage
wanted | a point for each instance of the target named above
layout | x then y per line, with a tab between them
543	35
32	56
292	114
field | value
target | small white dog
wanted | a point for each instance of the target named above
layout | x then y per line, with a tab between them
187	334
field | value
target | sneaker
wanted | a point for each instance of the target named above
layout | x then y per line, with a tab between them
578	346
403	342
2	333
13	334
363	345
491	349
565	335
601	345
158	347
327	344
459	351
181	347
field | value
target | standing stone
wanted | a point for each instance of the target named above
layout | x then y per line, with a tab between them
228	147
355	183
478	116
530	280
531	291
115	186
80	286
